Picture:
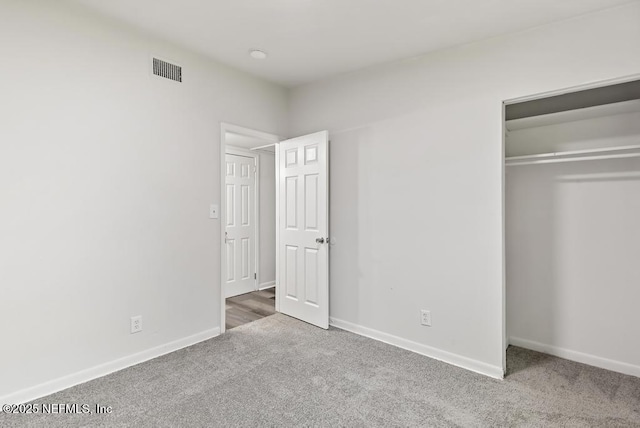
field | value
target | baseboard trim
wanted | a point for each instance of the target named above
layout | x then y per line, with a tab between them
580	357
82	376
428	351
266	285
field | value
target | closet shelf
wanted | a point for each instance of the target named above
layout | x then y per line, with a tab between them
625	107
576	155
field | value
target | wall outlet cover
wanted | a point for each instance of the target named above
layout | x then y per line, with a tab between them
136	324
425	317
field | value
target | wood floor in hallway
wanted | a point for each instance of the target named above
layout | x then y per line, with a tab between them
250	307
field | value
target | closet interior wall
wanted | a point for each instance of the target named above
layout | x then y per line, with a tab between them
573	244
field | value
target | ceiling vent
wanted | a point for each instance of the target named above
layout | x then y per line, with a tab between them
167	70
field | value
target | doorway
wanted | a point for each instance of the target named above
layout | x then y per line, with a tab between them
290	221
248	225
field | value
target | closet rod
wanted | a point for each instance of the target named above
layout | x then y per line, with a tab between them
575	152
573	159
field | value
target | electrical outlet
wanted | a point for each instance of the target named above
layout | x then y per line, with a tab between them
136	324
425	317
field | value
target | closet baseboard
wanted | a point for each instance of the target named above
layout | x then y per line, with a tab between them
580	357
419	348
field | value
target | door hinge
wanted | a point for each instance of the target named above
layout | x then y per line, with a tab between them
255	276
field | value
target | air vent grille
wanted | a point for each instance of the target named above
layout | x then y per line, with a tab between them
167	70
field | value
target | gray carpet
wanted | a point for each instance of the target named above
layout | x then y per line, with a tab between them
280	372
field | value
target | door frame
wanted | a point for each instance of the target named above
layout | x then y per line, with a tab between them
516	100
271	138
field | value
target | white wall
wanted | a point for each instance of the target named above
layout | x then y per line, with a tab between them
573	244
267	177
106	175
416	178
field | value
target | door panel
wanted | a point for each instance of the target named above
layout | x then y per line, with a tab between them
291	196
240	230
311	202
304	228
291	269
311	276
231	260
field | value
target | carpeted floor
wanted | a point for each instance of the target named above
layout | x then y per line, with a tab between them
280	372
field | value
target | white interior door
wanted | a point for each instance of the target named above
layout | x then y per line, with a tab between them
240	228
303	259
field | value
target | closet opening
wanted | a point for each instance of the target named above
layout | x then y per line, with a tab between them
572	240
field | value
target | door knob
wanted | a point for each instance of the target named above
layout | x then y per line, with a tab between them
320	240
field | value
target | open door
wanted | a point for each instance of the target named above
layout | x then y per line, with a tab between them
303	247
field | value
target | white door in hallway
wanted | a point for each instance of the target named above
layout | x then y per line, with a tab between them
303	248
240	228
